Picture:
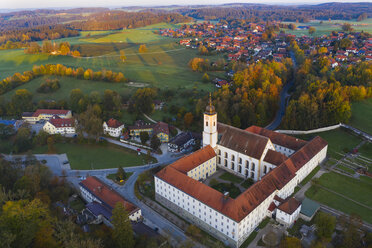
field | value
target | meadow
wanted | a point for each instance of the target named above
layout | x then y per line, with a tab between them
361	117
357	190
164	65
91	156
327	27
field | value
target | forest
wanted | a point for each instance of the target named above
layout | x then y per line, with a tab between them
256	12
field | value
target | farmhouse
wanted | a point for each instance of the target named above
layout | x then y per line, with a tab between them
276	162
57	125
113	127
102	199
45	114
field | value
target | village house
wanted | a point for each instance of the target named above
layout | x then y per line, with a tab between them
160	129
181	142
102	199
45	114
113	127
57	125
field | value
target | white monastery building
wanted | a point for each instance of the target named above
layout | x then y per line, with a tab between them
113	127
276	162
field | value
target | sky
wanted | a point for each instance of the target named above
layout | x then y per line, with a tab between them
39	4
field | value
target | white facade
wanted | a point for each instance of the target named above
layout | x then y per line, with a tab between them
51	129
113	132
211	220
286	218
210	130
204	170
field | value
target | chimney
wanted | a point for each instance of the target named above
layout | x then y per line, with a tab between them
226	195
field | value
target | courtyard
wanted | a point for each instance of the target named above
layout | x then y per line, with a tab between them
224	181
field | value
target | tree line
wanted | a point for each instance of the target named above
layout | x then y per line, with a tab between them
18	79
62	48
122	20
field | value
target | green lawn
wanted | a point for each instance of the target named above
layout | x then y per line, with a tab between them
69	83
230	177
233	190
338	140
310	176
366	150
86	157
361	116
249	239
358	190
327	27
346	169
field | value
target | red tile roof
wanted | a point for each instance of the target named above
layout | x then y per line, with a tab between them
237	209
272	207
61	122
274	157
241	141
113	123
278	138
161	127
193	160
50	112
106	194
289	206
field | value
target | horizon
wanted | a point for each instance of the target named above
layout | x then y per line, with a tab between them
70	4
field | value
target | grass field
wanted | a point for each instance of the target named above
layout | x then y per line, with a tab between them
164	65
358	190
361	117
230	177
327	27
338	140
86	157
69	83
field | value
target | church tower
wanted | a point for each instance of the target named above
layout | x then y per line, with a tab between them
210	125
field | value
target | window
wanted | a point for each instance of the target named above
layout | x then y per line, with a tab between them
225	154
233	158
240	160
206	123
246	164
253	166
214	123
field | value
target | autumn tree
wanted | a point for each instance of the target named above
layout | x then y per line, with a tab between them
205	78
143	100
142	48
188	119
122	229
123	58
347	27
290	242
120	174
312	30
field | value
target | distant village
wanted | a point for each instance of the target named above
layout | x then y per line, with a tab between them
251	44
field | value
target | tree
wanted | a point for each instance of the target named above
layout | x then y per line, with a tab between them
236	121
123	232
347	27
90	123
22	140
142	48
311	30
22	101
325	225
120	174
6	131
143	100
205	78
75	96
76	53
144	136
352	237
155	142
193	231
362	17
188	119
50	142
122	56
290	242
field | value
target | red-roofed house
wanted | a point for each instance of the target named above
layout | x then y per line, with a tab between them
94	190
288	211
46	114
57	125
113	127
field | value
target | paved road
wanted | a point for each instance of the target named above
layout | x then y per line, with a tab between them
284	99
